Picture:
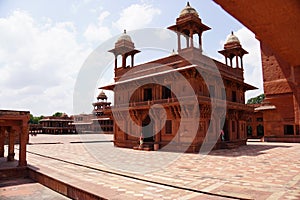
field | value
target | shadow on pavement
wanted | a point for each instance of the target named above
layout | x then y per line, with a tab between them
248	150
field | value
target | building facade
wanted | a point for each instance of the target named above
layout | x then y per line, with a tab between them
84	123
266	123
103	121
58	125
280	61
197	69
100	121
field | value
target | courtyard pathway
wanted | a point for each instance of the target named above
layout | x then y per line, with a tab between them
256	171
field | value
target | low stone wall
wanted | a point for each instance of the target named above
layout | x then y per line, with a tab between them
13	173
282	139
61	187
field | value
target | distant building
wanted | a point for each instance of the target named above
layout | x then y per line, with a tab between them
232	74
57	125
84	123
102	110
266	123
100	121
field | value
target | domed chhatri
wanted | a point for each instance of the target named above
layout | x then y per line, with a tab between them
124	36
190	25
124	47
233	48
188	10
232	39
102	96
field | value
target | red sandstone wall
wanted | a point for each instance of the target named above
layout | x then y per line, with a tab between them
279	83
273	123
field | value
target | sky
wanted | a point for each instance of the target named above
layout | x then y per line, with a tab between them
44	44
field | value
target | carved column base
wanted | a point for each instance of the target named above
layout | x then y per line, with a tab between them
11	157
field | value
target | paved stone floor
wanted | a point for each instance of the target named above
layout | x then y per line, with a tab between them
256	171
26	189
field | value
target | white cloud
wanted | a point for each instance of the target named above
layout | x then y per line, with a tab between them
98	32
136	16
38	64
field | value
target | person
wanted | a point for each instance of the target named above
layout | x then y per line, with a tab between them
222	135
141	141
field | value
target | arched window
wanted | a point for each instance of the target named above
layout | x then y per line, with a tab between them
249	130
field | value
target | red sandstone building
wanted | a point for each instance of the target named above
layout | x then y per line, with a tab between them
83	123
102	110
57	125
280	61
233	95
266	122
100	121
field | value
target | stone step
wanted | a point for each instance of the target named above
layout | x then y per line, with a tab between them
144	148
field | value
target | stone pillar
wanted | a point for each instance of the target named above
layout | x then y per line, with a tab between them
123	61
218	127
200	42
237	61
242	65
187	41
238	131
11	145
157	133
2	138
116	61
178	41
132	60
22	148
191	38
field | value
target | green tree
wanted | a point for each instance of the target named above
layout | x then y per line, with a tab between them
34	119
256	100
57	114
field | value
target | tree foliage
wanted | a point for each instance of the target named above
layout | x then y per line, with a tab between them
256	100
57	114
34	119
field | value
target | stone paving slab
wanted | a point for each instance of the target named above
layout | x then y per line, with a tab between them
256	171
27	189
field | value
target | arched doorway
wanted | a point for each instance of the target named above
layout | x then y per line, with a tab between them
226	130
260	130
147	130
249	131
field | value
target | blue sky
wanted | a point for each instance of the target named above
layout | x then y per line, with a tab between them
44	43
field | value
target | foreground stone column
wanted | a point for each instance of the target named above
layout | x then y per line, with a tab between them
11	145
23	136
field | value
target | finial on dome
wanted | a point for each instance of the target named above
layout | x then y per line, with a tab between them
102	95
124	36
173	52
232	41
188	10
